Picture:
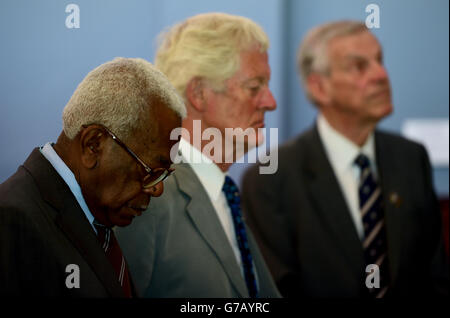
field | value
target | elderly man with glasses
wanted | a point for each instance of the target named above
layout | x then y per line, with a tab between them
194	243
57	212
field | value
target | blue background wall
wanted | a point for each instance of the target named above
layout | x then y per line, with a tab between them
42	62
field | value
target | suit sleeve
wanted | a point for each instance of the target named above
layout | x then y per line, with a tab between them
438	261
24	258
10	283
272	225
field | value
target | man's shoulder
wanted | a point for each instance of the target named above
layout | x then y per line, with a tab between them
21	198
295	150
178	190
296	144
22	216
23	180
18	190
165	212
183	182
393	142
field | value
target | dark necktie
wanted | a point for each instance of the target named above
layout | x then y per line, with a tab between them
371	207
232	194
114	254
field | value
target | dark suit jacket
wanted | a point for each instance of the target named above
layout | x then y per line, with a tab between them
304	228
179	249
42	230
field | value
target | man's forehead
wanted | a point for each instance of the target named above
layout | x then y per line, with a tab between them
152	151
253	65
361	44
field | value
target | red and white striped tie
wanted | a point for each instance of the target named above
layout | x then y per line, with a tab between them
114	254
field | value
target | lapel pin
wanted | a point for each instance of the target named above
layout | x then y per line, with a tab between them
395	199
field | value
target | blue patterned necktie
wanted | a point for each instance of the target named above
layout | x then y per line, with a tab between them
232	194
371	207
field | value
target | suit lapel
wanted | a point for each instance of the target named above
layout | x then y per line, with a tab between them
330	203
78	230
71	220
391	184
204	218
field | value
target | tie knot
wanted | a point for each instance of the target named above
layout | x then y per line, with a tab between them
229	186
98	224
362	161
101	228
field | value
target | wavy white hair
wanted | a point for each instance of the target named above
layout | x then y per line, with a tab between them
207	46
117	94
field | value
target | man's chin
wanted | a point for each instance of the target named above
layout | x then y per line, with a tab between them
124	220
385	110
255	140
259	139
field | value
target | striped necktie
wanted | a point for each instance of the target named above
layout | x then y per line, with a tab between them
371	207
114	254
232	194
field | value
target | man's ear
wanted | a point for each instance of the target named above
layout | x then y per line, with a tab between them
195	93
92	140
318	88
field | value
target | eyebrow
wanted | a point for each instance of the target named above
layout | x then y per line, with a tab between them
354	57
378	55
260	79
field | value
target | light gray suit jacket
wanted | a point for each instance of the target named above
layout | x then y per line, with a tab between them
178	247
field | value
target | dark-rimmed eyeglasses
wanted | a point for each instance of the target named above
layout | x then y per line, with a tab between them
154	175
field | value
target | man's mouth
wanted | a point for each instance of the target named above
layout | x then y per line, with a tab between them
259	124
381	93
138	210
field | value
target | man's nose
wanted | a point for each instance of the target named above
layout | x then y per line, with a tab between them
156	190
267	100
379	72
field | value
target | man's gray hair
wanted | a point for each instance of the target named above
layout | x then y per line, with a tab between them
312	54
117	95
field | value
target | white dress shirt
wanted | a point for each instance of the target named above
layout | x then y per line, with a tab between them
341	153
212	180
63	170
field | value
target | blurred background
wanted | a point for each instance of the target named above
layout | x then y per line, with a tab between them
42	61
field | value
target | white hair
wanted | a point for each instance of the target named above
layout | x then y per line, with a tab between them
312	56
117	95
207	46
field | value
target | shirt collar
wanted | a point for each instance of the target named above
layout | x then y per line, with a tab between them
209	174
341	151
63	170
